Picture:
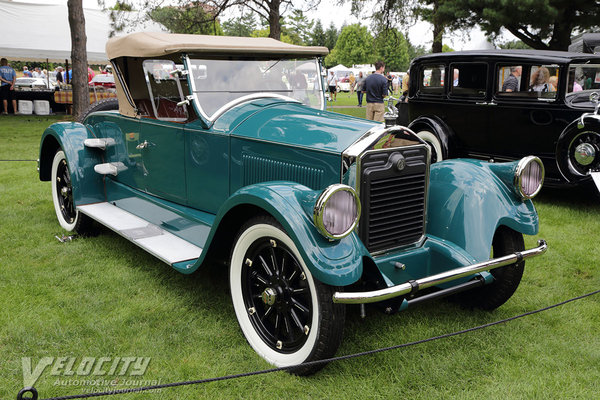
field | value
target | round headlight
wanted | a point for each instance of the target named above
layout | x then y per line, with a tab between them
529	177
337	211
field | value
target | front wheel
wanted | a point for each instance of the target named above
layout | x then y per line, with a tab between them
286	315
506	279
62	196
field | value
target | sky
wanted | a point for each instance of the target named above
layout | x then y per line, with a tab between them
329	11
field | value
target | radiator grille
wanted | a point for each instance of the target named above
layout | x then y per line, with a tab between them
260	169
393	199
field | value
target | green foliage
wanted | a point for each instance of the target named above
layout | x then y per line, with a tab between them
392	48
354	46
298	26
540	24
514	44
243	25
446	49
317	37
331	36
265	33
191	18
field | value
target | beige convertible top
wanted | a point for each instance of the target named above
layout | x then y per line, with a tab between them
156	44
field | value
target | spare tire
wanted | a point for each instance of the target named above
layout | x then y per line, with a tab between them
578	150
102	105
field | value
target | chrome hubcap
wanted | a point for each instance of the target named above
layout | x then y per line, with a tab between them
269	296
585	154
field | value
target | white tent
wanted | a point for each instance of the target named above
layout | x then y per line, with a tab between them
36	32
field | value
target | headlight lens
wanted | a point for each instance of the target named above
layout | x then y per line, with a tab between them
337	211
529	177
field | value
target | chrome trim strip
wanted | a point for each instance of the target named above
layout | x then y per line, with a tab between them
434	280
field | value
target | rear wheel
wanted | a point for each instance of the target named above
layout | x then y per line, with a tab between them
287	316
506	279
62	196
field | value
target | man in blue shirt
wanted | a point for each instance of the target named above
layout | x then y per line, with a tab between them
376	87
7	85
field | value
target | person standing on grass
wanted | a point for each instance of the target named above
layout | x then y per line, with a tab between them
360	87
8	77
376	87
332	82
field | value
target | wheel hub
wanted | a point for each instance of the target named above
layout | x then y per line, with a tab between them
585	154
269	296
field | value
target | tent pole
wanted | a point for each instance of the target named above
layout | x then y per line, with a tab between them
67	71
47	74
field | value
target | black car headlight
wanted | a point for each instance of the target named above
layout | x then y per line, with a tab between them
529	177
337	211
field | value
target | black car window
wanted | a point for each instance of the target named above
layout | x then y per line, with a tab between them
528	81
468	79
432	79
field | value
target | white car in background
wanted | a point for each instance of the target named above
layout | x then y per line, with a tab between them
27	84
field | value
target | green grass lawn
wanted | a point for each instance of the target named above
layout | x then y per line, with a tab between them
104	297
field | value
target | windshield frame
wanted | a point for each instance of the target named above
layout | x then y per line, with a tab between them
210	119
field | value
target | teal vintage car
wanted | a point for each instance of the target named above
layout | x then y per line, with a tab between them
221	149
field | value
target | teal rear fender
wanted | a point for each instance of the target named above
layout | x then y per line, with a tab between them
88	186
336	263
470	199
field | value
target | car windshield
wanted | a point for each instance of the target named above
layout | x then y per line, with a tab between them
583	77
218	84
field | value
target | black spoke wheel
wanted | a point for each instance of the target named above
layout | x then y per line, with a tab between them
275	288
506	279
287	316
62	196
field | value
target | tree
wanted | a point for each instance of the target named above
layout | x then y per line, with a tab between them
353	46
243	25
195	18
546	24
393	49
317	37
331	36
79	82
297	24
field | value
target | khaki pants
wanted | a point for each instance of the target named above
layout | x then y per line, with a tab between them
375	111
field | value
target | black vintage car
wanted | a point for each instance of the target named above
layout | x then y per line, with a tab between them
504	104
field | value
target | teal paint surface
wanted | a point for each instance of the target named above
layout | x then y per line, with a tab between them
86	184
469	200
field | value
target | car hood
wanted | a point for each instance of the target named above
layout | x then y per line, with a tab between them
293	124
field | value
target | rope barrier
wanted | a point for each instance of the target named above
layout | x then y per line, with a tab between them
17	160
34	394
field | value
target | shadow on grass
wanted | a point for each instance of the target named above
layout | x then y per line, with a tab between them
586	196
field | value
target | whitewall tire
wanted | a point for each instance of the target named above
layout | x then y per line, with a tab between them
286	315
434	143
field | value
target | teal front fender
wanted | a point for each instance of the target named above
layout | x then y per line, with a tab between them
88	186
470	199
337	263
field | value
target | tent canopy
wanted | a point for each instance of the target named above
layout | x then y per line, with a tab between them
36	32
339	68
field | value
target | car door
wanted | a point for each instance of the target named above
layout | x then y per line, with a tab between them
525	121
162	140
467	110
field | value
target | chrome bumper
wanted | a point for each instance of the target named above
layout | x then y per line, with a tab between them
423	283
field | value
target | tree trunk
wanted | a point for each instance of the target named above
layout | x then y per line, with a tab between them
81	98
438	30
274	19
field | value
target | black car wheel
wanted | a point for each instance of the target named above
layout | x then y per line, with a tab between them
578	150
286	315
62	196
506	279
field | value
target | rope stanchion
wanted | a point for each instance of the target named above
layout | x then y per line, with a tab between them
34	394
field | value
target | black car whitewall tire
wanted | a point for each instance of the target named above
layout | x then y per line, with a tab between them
67	214
318	333
434	143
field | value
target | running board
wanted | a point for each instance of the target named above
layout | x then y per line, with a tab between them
152	238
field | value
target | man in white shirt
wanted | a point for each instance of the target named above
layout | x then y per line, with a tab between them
332	82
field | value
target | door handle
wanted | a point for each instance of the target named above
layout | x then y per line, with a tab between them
142	145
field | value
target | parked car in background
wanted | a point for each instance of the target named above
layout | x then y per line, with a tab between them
344	84
221	151
104	80
459	103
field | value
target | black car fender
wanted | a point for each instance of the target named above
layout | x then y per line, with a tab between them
443	132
